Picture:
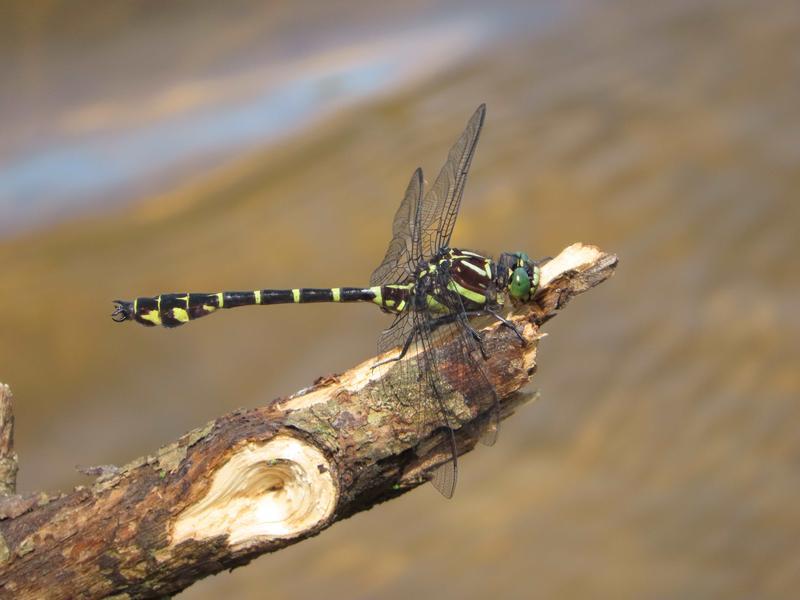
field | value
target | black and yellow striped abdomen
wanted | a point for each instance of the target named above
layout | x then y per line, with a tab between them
172	310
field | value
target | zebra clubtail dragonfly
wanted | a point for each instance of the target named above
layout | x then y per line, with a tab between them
432	289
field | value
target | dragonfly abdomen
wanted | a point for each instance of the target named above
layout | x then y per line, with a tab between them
173	310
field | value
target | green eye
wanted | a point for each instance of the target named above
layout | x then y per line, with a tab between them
520	287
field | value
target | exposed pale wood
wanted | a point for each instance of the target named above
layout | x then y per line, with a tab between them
274	489
257	480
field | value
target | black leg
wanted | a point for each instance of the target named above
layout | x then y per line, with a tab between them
403	351
433	325
505	322
477	337
449	319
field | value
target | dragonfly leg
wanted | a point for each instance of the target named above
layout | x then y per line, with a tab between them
477	337
503	321
403	351
433	325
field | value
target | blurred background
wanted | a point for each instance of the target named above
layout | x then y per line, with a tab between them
160	147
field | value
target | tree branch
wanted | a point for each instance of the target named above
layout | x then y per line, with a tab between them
257	480
8	458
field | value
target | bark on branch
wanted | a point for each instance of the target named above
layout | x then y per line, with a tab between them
8	458
257	480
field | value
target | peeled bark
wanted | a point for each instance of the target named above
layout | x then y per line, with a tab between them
257	480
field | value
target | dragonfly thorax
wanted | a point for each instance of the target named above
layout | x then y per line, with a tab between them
454	277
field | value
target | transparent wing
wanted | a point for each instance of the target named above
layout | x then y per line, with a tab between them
423	387
397	334
400	259
482	392
448	346
439	208
433	401
395	375
421	227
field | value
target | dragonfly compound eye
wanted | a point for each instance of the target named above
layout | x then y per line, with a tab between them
522	259
520	288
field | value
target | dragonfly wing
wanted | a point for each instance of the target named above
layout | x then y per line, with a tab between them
395	374
482	391
447	340
470	363
439	208
422	226
424	390
399	262
433	397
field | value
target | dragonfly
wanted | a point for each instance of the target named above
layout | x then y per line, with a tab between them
433	290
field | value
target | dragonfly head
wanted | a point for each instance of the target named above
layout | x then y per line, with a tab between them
522	275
